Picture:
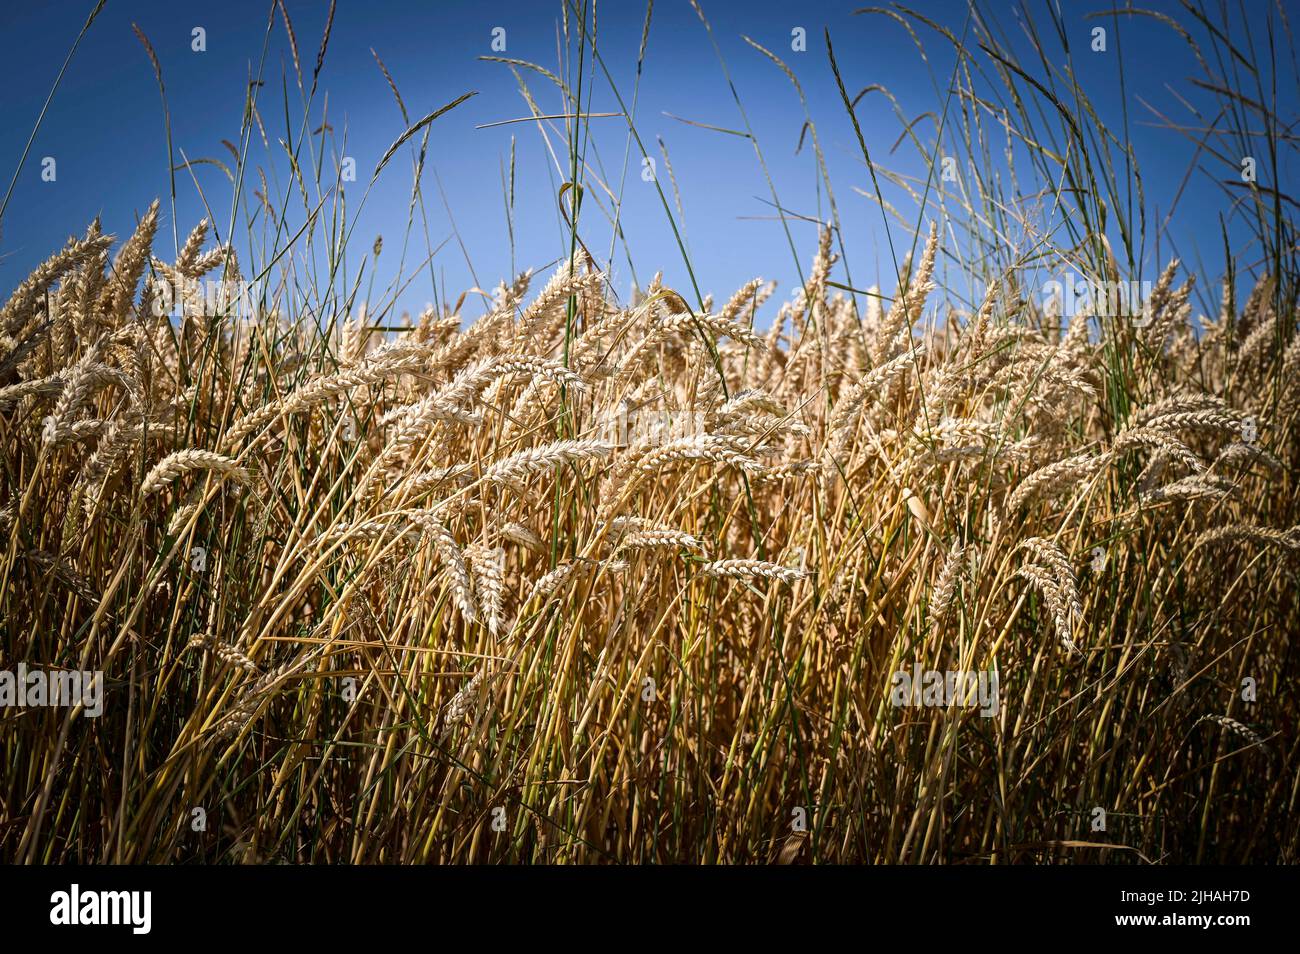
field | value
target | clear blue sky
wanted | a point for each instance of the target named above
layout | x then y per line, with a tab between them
105	126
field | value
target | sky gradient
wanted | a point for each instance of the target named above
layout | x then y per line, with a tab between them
105	128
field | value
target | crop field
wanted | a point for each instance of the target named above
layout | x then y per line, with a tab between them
864	568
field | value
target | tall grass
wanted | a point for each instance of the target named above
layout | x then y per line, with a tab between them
596	580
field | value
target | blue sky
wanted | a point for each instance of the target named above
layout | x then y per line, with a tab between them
105	127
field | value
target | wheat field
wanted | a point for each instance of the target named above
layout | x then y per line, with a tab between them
588	579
